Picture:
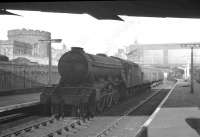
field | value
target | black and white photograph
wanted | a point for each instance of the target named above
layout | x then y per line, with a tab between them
100	68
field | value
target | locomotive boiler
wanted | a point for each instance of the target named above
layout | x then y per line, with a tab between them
90	83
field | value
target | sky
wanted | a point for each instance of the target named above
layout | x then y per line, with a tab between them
103	36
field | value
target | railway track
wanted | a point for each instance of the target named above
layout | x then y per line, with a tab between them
18	111
47	127
51	127
113	125
12	117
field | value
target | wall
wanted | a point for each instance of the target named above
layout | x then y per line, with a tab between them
14	76
6	48
12	48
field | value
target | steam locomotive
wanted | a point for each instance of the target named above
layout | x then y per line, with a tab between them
90	83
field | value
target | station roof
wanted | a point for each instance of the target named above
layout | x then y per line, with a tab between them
111	9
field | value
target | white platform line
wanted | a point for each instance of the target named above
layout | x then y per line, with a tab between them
150	119
159	107
16	106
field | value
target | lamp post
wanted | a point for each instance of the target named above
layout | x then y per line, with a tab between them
191	46
50	56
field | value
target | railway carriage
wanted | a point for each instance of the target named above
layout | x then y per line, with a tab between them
152	74
90	83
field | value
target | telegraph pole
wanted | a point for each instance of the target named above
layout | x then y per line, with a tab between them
50	56
191	72
50	63
191	46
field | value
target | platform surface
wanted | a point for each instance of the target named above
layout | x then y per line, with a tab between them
179	116
14	101
164	85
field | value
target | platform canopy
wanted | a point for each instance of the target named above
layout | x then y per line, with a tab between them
111	9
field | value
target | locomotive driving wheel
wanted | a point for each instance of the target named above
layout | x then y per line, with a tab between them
101	104
109	101
110	95
115	95
115	98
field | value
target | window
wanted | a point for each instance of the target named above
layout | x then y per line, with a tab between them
36	49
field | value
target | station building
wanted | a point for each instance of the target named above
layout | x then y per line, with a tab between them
26	43
162	54
32	37
13	48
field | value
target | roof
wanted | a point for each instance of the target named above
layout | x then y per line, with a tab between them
110	9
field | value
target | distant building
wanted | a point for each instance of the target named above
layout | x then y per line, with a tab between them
135	53
57	53
13	48
161	54
39	49
121	53
26	43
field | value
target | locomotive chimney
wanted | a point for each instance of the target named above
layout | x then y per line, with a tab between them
77	49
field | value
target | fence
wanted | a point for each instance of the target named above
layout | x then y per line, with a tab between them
15	76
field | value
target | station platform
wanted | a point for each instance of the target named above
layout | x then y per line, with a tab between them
18	101
178	115
165	85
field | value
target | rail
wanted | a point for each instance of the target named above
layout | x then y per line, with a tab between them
48	121
17	106
116	122
142	132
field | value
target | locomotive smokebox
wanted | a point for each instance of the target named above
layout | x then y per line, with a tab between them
73	66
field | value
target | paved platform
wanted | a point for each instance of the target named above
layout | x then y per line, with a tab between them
128	127
17	101
179	115
165	85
